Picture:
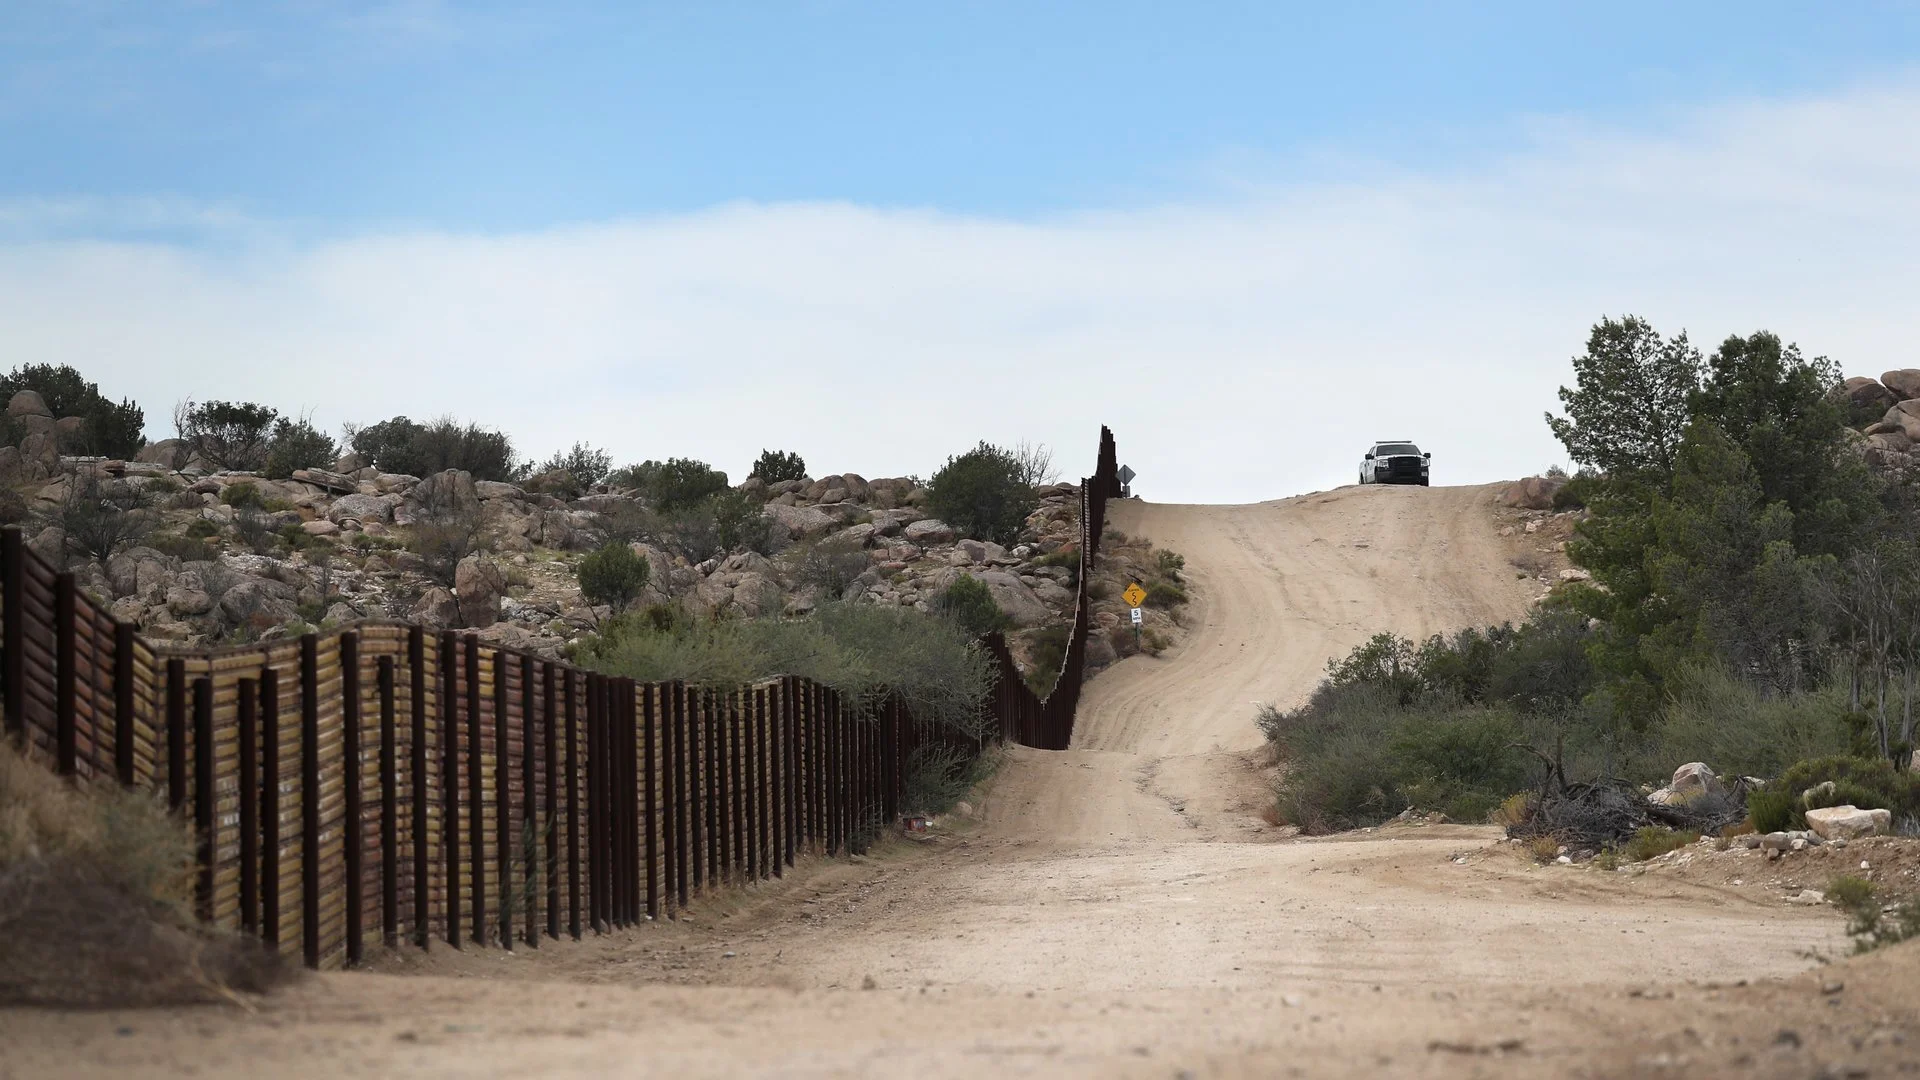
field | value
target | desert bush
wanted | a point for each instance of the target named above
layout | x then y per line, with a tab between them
243	495
101	516
970	604
1047	650
96	887
1771	811
400	445
629	523
829	565
779	466
862	650
586	466
938	776
1872	922
1650	841
1165	595
297	444
184	548
231	435
1712	716
983	494
254	528
448	533
111	430
1873	780
674	484
614	575
1169	564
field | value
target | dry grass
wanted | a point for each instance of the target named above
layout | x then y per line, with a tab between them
96	888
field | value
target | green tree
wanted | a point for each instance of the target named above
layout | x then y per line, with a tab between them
676	483
229	434
114	431
1779	408
584	464
297	444
983	493
1631	401
970	603
779	466
400	445
614	575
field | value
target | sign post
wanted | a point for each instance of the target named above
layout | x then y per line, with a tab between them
1135	596
1125	476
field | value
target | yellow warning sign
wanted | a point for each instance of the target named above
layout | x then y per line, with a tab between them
1135	595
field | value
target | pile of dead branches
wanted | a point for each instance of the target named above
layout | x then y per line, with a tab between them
1588	818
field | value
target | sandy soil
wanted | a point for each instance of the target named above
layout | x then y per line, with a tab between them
1120	909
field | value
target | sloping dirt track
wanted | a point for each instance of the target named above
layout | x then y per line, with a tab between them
1120	909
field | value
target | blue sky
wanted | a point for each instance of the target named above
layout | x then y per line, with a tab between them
877	232
507	116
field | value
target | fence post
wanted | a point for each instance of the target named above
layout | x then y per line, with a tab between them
65	676
13	633
503	796
529	805
650	766
450	728
422	855
550	836
573	806
596	807
176	733
310	797
476	796
355	835
269	802
204	818
249	734
389	809
677	729
124	643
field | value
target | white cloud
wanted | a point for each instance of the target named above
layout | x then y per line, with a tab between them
1242	349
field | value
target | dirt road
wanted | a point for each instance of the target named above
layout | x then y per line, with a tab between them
1120	909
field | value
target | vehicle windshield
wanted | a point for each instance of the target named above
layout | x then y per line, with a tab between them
1395	449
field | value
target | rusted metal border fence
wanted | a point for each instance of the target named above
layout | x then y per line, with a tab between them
386	784
1024	716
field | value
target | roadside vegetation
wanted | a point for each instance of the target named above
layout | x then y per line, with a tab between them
96	893
1754	604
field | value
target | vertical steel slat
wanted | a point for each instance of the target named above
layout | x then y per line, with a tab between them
389	808
204	817
310	797
355	836
269	804
249	733
125	641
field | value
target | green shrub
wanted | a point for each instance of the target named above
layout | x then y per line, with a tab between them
970	604
779	467
674	484
938	776
1714	717
1848	892
400	445
1169	564
100	516
864	651
243	495
113	431
614	575
185	548
584	467
1165	595
231	435
1048	651
982	494
1868	778
297	444
1651	841
829	565
1771	811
